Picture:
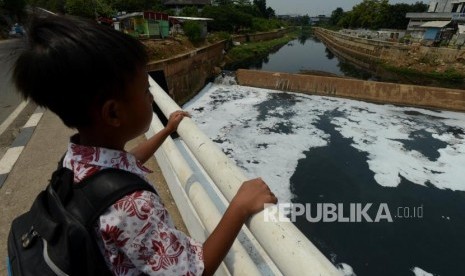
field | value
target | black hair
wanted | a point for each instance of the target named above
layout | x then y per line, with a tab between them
71	65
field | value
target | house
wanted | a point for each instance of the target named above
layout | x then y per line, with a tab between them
436	31
438	22
143	24
178	5
182	19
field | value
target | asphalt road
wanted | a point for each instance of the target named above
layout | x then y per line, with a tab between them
13	112
9	98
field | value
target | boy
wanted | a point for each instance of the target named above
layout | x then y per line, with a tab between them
94	79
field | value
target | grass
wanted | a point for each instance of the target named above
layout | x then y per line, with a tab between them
250	50
449	75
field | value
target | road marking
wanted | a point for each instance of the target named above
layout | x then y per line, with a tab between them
9	159
12	116
33	120
11	156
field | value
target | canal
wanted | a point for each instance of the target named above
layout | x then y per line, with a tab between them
393	175
308	55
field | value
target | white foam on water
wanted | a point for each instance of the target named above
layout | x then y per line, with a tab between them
228	115
373	128
272	156
346	269
420	272
376	130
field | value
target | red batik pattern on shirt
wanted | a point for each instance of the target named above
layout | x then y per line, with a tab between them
136	234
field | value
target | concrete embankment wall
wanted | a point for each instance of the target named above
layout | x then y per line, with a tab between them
260	36
383	51
379	92
186	74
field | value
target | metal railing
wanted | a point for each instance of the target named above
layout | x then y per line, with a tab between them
282	248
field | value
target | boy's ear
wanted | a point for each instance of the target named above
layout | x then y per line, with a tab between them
110	113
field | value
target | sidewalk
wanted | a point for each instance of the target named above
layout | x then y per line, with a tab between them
34	167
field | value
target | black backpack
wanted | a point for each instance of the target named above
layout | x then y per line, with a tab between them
56	236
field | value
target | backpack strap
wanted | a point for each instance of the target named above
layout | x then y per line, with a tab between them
95	194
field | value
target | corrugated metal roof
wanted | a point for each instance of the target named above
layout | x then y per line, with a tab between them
129	15
435	24
191	18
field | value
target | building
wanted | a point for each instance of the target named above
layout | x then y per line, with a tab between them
441	20
178	5
143	24
447	6
320	19
181	19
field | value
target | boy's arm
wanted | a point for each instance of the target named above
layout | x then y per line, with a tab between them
250	199
145	150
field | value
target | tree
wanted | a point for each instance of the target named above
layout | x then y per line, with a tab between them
418	7
270	13
227	18
261	6
336	15
81	8
396	18
375	14
305	20
89	8
246	6
134	5
190	11
368	14
51	5
14	7
223	2
264	11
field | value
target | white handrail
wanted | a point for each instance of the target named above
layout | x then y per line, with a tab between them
237	259
289	249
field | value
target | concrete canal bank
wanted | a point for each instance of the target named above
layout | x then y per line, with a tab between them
377	50
187	73
432	64
401	94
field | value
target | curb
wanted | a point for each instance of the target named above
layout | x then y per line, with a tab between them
16	148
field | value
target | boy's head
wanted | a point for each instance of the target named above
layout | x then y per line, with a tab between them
73	67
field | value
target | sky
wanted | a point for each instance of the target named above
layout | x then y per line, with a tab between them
316	7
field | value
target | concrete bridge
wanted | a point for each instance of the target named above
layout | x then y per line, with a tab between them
200	178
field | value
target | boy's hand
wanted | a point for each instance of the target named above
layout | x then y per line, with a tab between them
252	196
174	120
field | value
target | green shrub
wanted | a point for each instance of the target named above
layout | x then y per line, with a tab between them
264	25
193	30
